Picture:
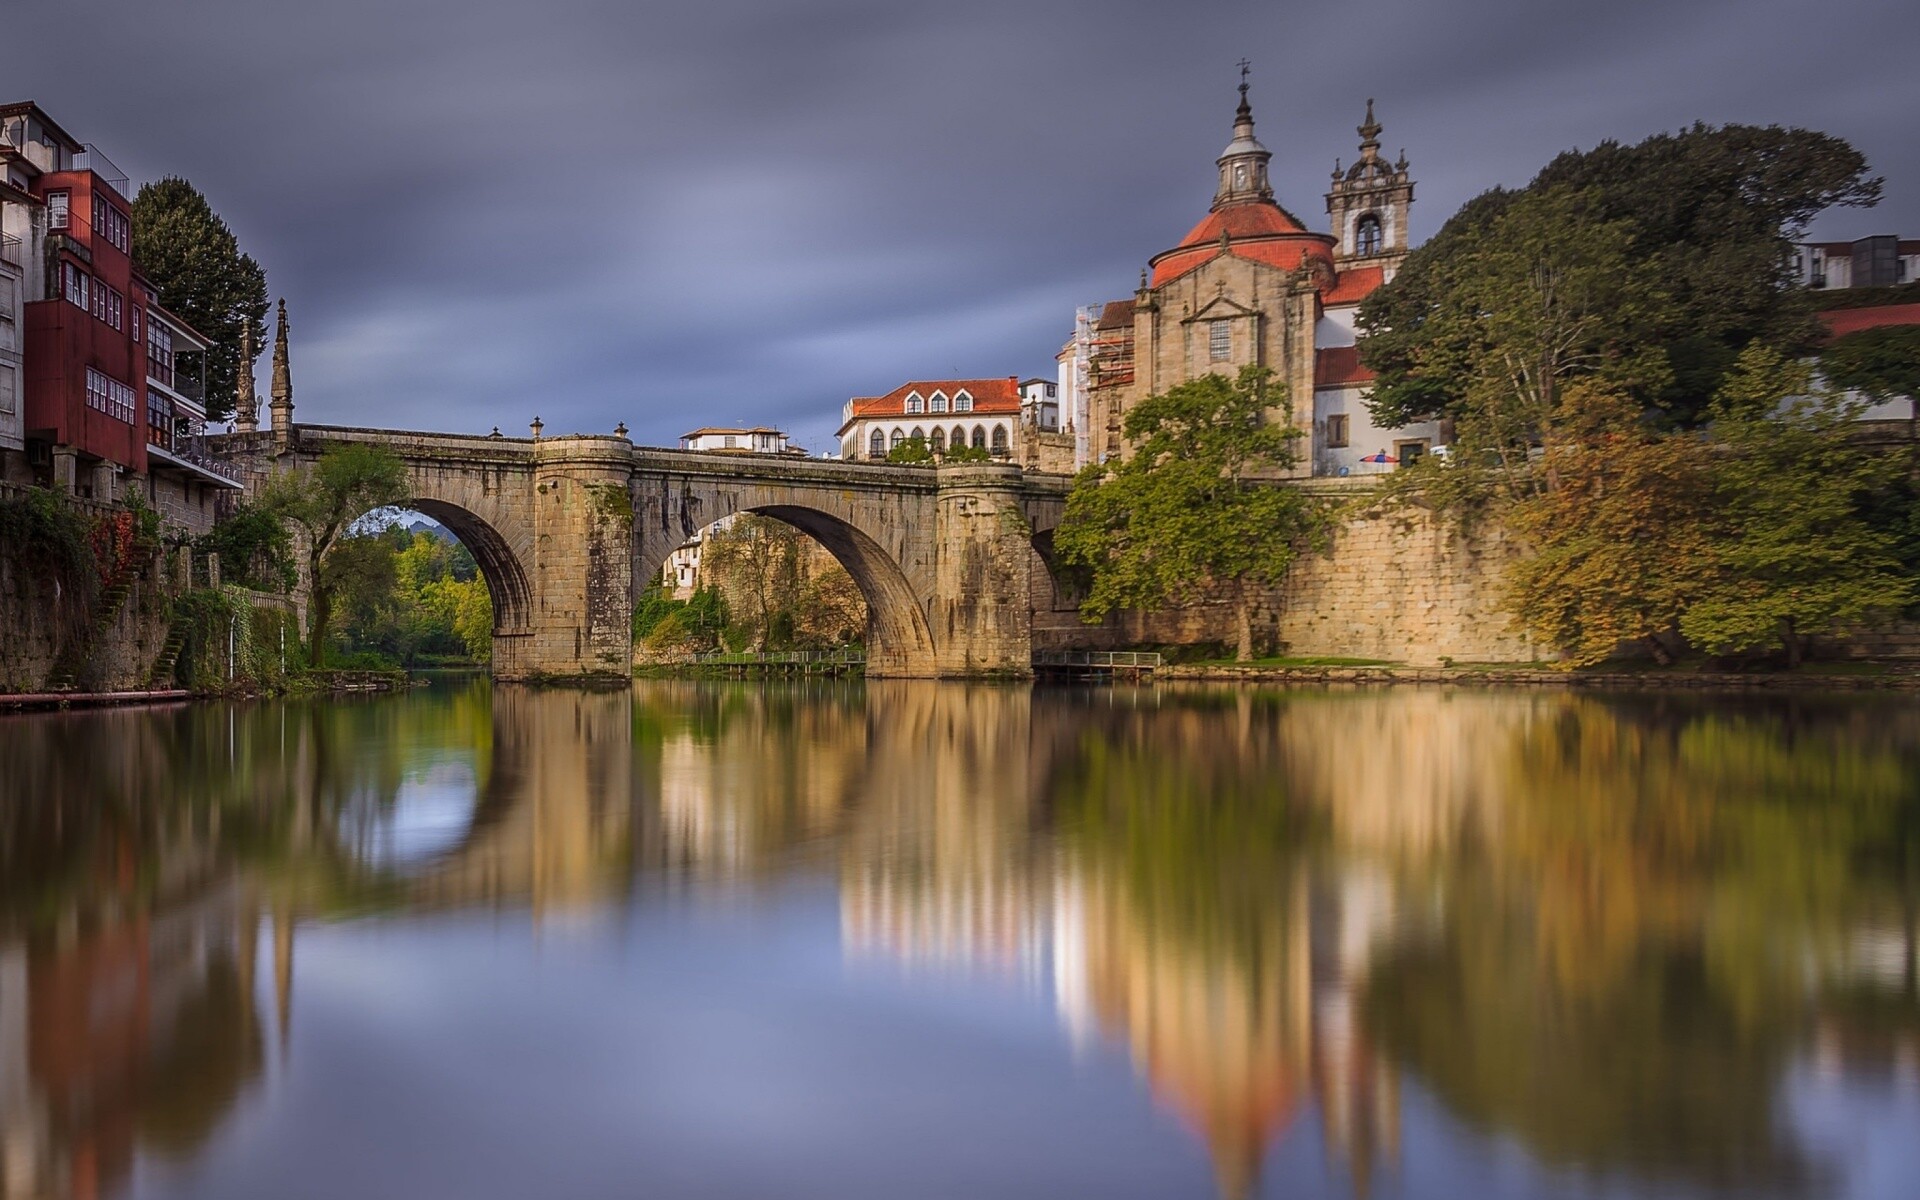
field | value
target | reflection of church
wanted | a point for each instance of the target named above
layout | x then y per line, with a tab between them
1251	285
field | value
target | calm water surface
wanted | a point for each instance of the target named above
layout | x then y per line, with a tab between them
935	941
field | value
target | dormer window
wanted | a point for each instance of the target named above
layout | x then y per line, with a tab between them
962	402
914	402
1366	235
938	403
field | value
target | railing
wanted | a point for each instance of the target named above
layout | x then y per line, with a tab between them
193	449
1097	662
10	250
91	159
744	658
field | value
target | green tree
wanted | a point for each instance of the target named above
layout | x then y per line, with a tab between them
322	502
203	277
757	562
1705	214
1198	509
1881	363
1789	555
255	548
913	450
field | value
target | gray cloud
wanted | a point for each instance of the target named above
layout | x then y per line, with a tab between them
599	211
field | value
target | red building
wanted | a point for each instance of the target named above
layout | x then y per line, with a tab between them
102	397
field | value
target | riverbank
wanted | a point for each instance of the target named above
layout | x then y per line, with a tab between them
1850	678
328	683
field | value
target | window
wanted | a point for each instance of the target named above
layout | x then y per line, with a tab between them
106	304
1000	441
898	437
1410	453
1366	235
959	439
1337	430
159	421
133	314
727	442
109	396
913	403
110	223
73	284
877	445
57	206
979	437
1219	341
938	403
963	403
939	442
160	353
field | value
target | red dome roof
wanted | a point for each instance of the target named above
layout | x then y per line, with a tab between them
1261	231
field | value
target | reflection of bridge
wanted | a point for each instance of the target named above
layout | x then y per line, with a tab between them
568	529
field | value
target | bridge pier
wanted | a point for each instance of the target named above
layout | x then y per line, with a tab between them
581	619
982	614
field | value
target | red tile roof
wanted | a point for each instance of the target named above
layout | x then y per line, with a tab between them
1354	285
1261	232
1116	314
991	397
1339	366
1842	321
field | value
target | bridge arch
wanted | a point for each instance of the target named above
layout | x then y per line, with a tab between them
508	582
898	640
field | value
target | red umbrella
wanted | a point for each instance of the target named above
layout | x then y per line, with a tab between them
1381	457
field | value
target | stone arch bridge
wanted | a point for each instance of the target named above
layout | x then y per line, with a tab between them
567	530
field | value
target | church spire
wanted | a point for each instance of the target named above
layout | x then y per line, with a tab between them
282	404
246	405
1243	164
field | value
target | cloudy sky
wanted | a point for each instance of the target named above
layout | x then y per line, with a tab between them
748	210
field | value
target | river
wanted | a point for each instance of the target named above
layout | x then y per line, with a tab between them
926	941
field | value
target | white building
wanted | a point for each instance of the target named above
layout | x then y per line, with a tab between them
758	439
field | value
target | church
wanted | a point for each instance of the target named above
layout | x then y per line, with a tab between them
1252	285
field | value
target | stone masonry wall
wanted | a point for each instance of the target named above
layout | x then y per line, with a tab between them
1403	587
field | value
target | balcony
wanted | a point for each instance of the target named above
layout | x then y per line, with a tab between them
91	159
10	251
188	453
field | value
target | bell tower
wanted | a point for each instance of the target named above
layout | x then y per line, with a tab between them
1368	204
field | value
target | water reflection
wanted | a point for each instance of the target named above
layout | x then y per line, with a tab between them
1653	943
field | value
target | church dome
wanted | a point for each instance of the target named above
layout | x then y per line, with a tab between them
1245	219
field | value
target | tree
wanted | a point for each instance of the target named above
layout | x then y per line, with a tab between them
1544	293
757	562
1881	363
194	261
254	548
322	502
832	610
1198	508
913	450
1615	545
1706	213
1790	555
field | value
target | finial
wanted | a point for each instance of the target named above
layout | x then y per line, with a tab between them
1369	132
620	430
1143	279
1400	165
1245	111
537	427
1336	169
496	432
